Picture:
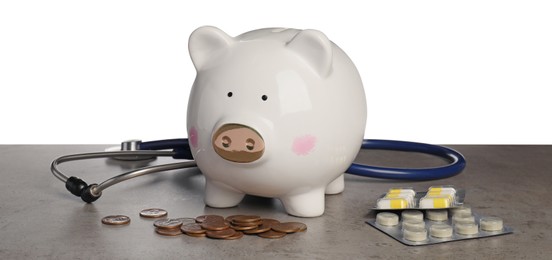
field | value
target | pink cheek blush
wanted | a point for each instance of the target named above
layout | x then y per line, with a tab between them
193	136
303	145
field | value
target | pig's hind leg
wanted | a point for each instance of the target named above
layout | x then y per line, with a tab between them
336	186
218	195
309	204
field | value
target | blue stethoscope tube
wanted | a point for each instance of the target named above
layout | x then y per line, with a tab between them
457	161
181	150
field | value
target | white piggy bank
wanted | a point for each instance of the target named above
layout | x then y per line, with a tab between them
275	113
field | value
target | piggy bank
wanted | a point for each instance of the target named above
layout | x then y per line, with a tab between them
275	112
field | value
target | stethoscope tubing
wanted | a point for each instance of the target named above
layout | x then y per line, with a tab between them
181	150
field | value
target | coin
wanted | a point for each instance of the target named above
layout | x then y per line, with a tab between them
240	228
202	218
272	234
229	219
220	233
186	220
289	227
237	235
214	225
167	223
245	219
196	235
116	220
192	228
260	229
153	213
269	221
247	224
168	232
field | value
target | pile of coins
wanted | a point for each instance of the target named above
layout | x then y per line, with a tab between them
235	226
213	226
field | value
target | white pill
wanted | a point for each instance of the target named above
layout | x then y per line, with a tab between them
463	218
415	234
466	229
461	210
491	224
437	215
440	231
387	219
412	216
413	224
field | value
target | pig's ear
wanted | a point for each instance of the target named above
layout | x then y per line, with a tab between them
204	42
315	48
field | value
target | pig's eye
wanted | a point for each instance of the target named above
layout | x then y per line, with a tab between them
229	94
264	97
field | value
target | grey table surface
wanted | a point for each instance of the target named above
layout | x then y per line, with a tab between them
40	219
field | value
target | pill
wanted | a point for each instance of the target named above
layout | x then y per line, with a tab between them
413	224
440	231
408	191
435	202
409	198
392	203
412	216
460	210
491	224
441	189
463	218
387	219
415	234
466	228
437	215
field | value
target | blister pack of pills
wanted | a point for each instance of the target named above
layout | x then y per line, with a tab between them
436	197
432	226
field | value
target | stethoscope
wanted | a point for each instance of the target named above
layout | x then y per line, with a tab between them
137	150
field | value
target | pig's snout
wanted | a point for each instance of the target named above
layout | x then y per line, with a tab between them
238	143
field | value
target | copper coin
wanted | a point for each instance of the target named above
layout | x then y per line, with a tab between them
214	225
245	219
269	221
237	235
272	234
247	224
186	220
229	219
192	228
153	213
202	218
260	229
168	232
221	233
289	227
240	228
196	235
116	220
168	223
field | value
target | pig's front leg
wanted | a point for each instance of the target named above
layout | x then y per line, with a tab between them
336	186
309	204
217	195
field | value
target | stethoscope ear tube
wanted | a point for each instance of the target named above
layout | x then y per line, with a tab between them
457	162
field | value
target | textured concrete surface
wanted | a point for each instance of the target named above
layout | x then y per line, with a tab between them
40	219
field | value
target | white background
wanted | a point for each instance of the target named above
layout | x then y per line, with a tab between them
449	72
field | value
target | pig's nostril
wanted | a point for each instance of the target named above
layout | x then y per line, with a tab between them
226	141
249	144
